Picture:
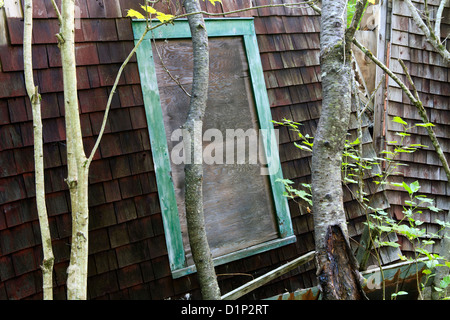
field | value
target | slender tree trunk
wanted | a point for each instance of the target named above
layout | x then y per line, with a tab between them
433	38
337	273
194	169
76	159
35	98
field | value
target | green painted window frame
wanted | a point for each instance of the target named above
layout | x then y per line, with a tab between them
221	27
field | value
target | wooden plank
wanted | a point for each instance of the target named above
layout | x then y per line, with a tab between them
379	114
260	281
269	139
240	223
180	29
240	254
161	160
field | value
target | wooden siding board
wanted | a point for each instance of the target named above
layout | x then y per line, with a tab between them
280	11
15	30
44	31
431	79
14	84
105	29
99	30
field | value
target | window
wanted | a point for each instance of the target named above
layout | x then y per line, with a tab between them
245	211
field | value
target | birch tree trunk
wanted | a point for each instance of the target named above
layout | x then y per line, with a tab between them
337	273
194	169
76	159
35	98
433	36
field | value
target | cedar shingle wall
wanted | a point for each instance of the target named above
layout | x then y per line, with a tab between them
128	255
127	246
431	78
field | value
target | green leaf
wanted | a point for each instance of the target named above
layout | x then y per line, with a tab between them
389	244
402	257
429	124
405	149
445	281
400	293
302	147
415	186
399	120
410	203
434	209
423	198
395	184
443	224
406	187
347	179
306	185
402	134
384	228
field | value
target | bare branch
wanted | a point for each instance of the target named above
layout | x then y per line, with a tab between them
163	65
153	27
372	95
414	100
437	25
58	14
111	94
385	69
429	33
408	76
35	98
423	114
359	10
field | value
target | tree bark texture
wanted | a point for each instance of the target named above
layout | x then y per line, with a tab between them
193	170
337	273
76	159
35	98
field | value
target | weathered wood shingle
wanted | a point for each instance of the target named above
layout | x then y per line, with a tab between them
430	76
128	254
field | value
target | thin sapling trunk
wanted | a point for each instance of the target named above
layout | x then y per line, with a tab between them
193	169
77	179
35	98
